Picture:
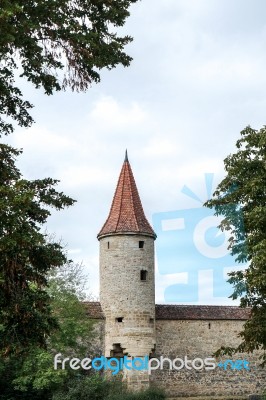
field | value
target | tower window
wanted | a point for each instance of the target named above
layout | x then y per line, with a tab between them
119	319
143	275
141	244
209	325
108	245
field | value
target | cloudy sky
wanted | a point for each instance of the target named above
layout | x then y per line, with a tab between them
197	79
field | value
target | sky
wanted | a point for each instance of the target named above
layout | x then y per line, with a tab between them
196	80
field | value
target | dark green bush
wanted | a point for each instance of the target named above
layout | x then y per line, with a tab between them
92	387
75	387
95	387
150	394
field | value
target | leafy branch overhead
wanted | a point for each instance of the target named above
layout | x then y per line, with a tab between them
56	44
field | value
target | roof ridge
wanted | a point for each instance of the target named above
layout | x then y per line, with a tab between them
184	312
131	195
126	213
121	200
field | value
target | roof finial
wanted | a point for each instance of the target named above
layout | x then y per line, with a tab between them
126	158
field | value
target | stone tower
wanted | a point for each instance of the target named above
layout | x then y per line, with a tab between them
127	287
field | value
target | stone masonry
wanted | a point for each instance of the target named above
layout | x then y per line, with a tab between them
128	302
198	331
200	338
127	288
135	327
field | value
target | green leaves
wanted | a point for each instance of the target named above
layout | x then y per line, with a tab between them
58	44
33	371
245	186
11	103
26	256
66	290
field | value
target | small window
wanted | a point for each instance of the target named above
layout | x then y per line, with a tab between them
141	244
151	320
209	325
143	275
119	319
108	245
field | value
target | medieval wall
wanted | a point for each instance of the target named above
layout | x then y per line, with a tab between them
199	339
96	345
196	338
127	300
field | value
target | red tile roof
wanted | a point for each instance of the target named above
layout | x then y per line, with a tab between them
182	312
172	311
126	214
94	309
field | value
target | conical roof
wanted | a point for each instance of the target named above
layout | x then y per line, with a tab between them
126	213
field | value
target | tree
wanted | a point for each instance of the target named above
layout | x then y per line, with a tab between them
26	256
56	44
241	199
66	288
33	372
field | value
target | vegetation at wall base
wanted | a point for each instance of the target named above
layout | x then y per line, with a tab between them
148	394
96	387
82	387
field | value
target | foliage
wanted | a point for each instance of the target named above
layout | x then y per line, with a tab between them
149	394
33	373
66	290
241	199
29	376
26	256
56	44
72	338
95	387
32	376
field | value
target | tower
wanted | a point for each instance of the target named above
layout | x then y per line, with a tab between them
127	288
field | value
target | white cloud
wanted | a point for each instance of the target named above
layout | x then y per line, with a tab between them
107	115
39	138
196	80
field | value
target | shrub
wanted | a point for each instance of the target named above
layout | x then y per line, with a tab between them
149	394
95	387
92	387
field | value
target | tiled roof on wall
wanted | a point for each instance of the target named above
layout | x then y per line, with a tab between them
94	309
126	214
165	311
179	312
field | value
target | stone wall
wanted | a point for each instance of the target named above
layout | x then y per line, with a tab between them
195	332
199	339
96	345
127	300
